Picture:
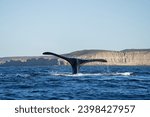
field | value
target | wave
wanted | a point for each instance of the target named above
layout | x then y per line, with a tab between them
125	73
93	74
65	74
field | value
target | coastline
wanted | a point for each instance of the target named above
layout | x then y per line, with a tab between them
128	57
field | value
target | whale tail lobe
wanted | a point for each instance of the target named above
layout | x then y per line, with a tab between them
75	62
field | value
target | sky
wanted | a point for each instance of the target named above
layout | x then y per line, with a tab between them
30	27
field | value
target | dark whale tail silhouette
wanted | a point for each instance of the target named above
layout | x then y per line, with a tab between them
75	62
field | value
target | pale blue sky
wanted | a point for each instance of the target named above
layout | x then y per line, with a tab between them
29	27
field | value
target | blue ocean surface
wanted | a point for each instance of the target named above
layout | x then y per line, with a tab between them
92	83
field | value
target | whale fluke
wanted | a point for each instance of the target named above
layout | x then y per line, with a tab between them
75	62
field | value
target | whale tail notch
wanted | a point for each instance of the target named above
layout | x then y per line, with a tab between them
75	62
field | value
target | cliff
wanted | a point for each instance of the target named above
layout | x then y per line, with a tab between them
124	57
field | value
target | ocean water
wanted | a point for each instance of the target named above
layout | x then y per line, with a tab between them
92	83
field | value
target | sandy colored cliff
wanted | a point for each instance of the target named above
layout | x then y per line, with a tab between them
124	57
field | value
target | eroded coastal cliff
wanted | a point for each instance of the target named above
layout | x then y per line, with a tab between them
124	57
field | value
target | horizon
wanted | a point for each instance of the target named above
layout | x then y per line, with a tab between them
31	27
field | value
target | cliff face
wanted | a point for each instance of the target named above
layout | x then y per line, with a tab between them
125	57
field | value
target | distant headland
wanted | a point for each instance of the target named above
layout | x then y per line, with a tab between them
126	57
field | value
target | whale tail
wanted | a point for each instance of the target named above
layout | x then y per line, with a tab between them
75	62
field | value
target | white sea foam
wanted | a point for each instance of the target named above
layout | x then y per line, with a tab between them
124	73
93	74
76	75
